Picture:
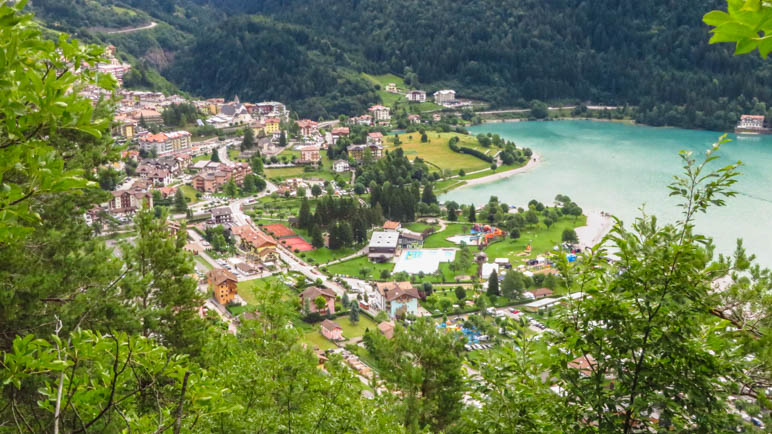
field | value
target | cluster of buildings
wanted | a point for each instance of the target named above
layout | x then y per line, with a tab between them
264	118
212	175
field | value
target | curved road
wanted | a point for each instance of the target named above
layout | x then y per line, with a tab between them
133	29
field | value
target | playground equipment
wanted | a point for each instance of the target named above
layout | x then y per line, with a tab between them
487	232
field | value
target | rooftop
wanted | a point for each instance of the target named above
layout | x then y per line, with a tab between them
384	239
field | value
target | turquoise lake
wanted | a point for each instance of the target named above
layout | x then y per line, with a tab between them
619	168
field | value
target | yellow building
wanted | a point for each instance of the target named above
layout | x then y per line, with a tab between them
272	125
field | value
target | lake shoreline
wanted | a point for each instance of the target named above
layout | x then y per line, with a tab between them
532	163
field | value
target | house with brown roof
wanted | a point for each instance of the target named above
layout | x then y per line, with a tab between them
540	293
357	152
312	293
396	298
224	285
129	201
375	138
309	154
387	329
391	225
307	127
331	330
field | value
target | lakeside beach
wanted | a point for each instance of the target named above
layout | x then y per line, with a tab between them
530	165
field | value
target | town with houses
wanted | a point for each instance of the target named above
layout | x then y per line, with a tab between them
244	242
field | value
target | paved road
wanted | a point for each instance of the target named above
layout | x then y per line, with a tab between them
133	29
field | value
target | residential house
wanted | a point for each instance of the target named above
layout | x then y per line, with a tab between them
213	175
165	143
340	132
540	293
445	96
375	138
357	152
309	154
380	113
125	127
307	127
272	126
366	120
391	87
219	121
392	226
224	285
150	116
383	246
416	96
340	166
312	293
129	201
396	298
331	330
387	329
414	119
222	215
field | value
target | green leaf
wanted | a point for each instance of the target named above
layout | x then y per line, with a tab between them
765	47
716	18
745	46
736	29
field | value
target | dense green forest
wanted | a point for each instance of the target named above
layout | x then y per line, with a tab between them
653	55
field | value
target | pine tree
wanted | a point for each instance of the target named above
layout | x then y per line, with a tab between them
215	156
304	215
493	284
180	204
428	196
317	240
472	214
249	139
353	314
346	234
283	139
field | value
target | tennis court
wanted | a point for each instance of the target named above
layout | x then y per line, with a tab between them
297	243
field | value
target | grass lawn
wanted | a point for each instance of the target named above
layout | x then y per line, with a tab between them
437	152
315	339
189	193
234	154
201	157
352	268
248	288
325	255
438	239
541	239
355	330
299	172
284	172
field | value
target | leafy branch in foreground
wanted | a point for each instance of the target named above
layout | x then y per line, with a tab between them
747	23
40	80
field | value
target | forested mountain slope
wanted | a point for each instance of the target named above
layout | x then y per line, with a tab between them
651	54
